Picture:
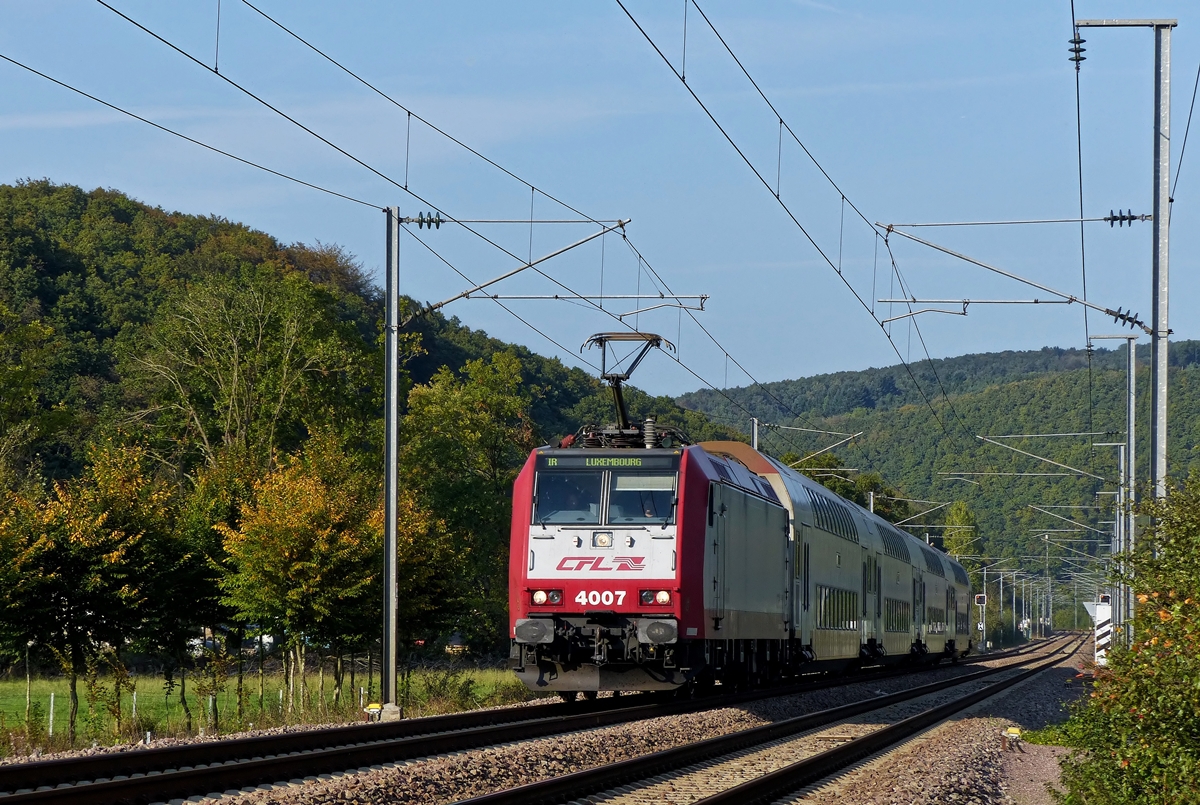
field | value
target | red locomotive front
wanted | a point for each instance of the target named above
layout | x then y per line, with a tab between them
596	594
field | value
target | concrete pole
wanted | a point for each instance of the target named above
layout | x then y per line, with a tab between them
1161	210
1126	602
1118	530
1160	330
1130	433
1014	609
1000	608
983	612
754	432
391	367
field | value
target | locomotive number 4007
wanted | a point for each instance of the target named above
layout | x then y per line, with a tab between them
595	597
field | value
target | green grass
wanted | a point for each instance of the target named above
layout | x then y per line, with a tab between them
426	691
1052	735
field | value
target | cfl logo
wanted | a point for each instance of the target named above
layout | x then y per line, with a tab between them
582	563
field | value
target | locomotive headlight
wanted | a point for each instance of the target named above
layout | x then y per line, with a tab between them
554	597
652	597
602	539
539	597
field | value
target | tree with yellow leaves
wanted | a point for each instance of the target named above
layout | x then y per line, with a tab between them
80	559
306	555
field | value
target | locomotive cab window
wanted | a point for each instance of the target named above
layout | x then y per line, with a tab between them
568	497
641	498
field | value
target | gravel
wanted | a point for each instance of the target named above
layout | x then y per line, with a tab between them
460	775
963	758
466	774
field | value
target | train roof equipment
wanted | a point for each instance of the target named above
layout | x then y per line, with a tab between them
626	433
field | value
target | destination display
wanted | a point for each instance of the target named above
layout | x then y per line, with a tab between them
582	460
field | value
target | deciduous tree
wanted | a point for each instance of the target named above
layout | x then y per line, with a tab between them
465	437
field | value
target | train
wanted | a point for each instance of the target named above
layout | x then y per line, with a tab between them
639	562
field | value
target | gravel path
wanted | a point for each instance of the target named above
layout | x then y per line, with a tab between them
461	775
963	758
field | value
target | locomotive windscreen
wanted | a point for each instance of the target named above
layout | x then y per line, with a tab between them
578	488
569	497
641	498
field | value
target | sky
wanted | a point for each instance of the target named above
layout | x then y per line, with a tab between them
929	112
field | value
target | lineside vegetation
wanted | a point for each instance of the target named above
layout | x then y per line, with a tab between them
1137	736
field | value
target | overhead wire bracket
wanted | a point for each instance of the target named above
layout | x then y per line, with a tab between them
1119	315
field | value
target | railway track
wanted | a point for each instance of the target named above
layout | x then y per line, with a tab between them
160	774
759	765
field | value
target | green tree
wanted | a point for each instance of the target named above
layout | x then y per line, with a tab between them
465	438
24	349
246	362
960	532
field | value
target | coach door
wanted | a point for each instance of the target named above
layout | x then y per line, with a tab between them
719	532
801	589
918	599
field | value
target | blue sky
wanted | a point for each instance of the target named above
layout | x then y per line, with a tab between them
920	112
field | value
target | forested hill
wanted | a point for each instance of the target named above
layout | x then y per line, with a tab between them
84	277
934	454
891	387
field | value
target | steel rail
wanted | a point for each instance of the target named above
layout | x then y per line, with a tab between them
782	782
592	781
56	771
190	769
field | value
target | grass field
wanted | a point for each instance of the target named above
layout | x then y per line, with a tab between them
427	691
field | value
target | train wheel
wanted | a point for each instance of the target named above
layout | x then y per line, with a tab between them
567	695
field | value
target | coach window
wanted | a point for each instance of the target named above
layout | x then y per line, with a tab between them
641	498
568	497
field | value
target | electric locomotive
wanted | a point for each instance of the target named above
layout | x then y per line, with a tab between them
641	562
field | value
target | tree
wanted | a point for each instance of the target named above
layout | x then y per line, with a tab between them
465	438
23	353
246	362
960	532
306	546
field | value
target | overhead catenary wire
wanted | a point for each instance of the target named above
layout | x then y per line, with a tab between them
787	210
921	336
1082	243
1106	219
315	134
595	306
404	188
192	140
1183	148
655	276
366	165
512	312
411	114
